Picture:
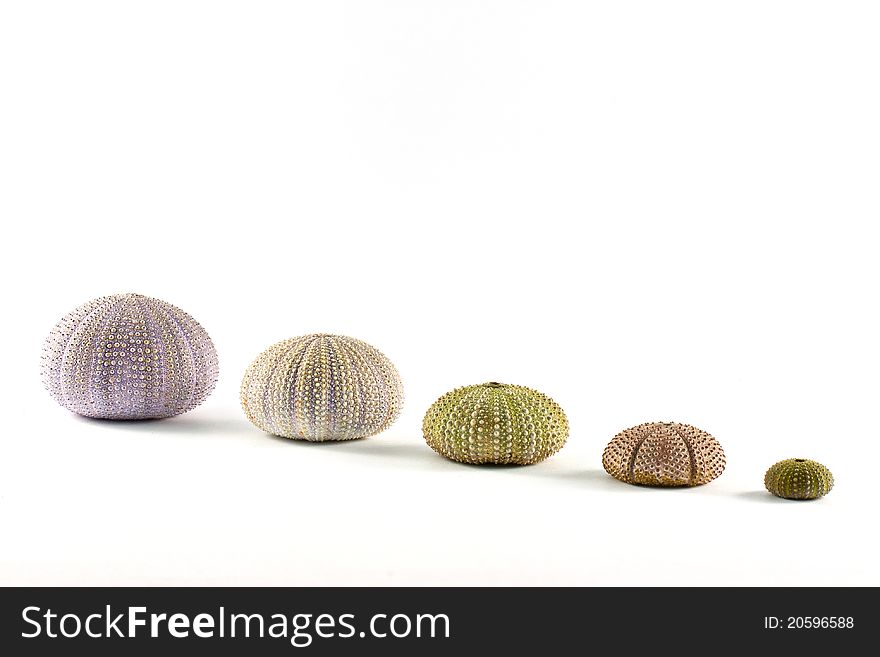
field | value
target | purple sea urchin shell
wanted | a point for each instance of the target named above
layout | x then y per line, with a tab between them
129	357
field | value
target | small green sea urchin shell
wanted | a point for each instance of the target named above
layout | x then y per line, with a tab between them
664	454
798	479
495	423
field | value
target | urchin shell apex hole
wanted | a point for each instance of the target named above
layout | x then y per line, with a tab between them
494	384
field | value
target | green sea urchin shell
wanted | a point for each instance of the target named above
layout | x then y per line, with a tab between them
798	479
495	423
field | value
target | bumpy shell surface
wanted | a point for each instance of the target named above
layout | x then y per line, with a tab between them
495	423
322	387
798	479
127	357
664	454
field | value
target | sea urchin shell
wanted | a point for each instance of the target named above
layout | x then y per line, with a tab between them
664	454
128	356
798	479
495	423
322	387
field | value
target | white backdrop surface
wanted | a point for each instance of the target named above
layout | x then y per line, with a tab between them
648	211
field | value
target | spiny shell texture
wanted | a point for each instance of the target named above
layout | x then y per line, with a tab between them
798	479
322	387
495	423
128	357
664	454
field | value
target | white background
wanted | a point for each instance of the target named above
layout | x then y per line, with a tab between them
648	211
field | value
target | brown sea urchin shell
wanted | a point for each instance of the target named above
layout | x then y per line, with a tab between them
664	454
